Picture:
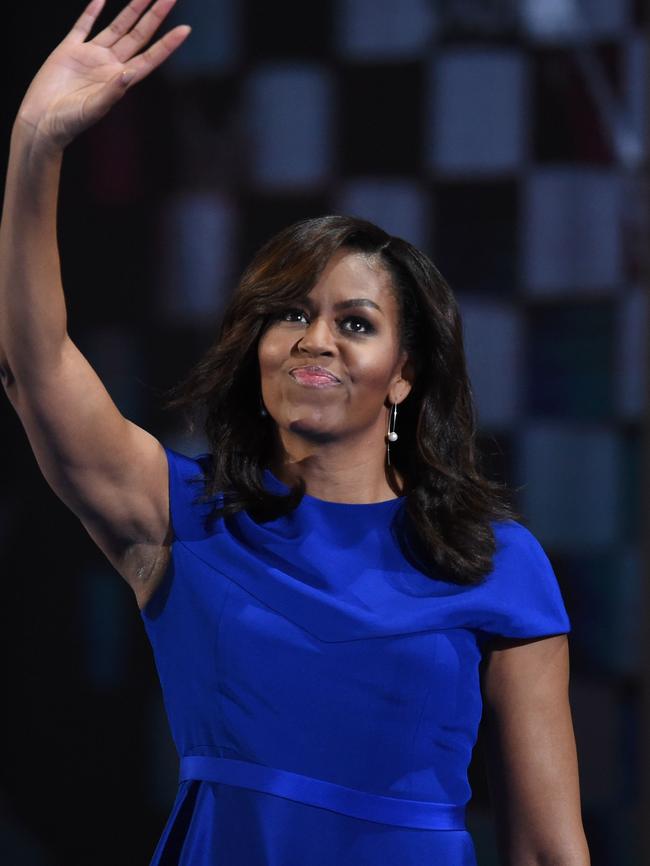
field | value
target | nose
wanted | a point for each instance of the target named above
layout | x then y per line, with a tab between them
317	338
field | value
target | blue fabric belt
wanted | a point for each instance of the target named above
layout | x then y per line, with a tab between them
418	814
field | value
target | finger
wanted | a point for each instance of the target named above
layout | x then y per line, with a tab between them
122	24
84	24
146	62
139	36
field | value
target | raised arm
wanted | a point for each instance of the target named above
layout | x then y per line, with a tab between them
531	752
110	472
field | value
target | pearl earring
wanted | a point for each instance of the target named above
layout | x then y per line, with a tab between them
263	411
392	435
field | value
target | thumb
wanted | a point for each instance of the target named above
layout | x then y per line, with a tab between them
101	103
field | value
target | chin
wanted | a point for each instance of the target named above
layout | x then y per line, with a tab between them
311	432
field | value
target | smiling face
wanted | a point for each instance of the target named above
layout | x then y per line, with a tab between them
348	325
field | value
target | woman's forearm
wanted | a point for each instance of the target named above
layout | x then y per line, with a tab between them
579	857
33	321
80	81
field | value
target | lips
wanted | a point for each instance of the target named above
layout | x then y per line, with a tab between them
313	375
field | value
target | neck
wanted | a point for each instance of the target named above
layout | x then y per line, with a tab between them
336	472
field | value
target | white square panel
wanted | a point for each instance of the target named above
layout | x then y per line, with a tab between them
559	21
493	346
289	114
384	29
572	231
477	112
571	485
399	206
213	46
633	146
632	354
197	256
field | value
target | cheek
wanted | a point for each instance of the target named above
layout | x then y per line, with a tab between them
270	353
374	369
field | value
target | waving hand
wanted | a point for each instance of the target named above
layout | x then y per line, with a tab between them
81	80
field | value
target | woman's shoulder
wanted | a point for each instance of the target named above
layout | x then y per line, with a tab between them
521	595
188	505
520	563
514	539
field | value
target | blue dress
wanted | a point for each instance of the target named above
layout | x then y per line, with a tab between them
322	693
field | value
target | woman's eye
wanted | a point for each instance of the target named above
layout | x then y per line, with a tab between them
359	325
290	315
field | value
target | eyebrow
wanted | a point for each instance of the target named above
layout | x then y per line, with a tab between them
346	305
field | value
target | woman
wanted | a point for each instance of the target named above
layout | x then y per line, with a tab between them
332	591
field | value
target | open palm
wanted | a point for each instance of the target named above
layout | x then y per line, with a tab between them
81	80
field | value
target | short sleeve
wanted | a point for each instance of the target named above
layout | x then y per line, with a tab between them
521	597
186	486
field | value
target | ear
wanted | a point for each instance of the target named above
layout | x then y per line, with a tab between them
403	381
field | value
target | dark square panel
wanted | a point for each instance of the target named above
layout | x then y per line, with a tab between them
598	591
264	216
476	20
570	360
172	349
211	148
288	28
380	119
567	124
106	262
475	239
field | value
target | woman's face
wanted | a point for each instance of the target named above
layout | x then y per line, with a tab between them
331	365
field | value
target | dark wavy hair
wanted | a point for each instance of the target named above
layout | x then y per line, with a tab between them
445	528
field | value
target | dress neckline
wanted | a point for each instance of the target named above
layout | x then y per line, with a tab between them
275	485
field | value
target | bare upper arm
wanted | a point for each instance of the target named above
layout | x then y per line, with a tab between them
111	473
531	753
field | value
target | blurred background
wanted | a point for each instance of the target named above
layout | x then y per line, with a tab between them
507	139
